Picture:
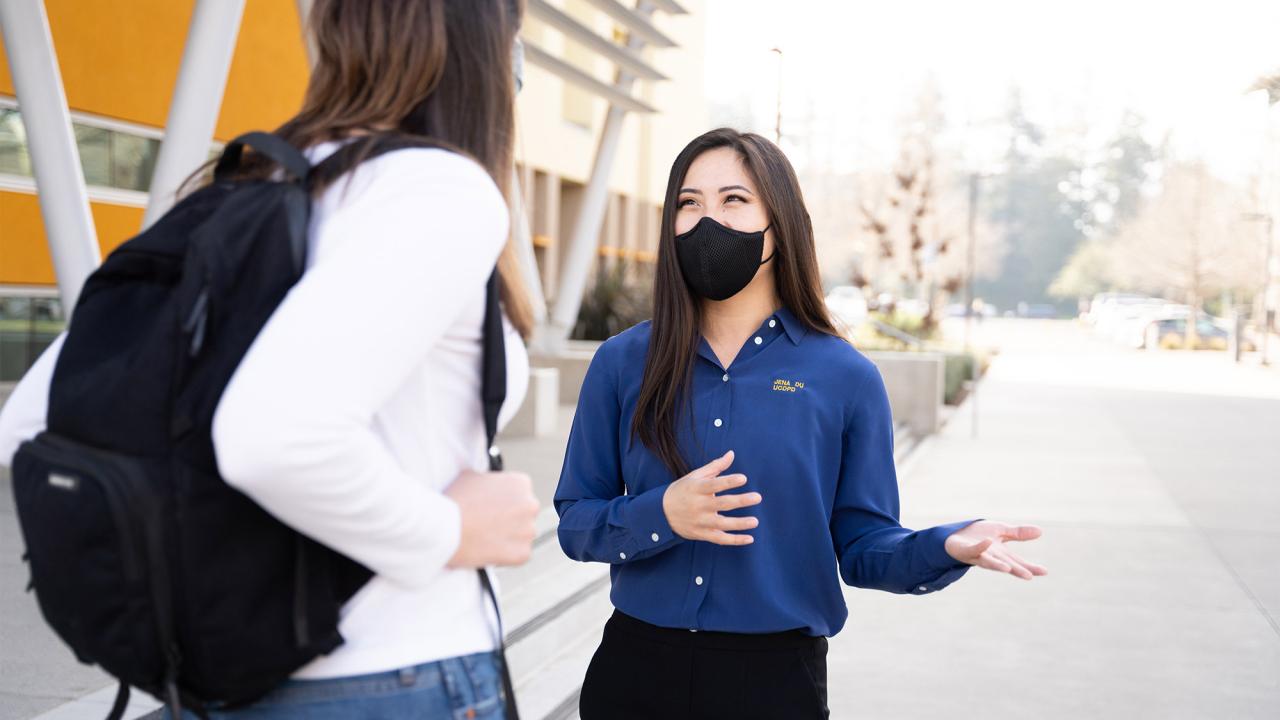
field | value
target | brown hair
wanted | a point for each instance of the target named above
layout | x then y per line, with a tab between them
676	328
439	70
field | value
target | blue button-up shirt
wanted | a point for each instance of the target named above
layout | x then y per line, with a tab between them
808	420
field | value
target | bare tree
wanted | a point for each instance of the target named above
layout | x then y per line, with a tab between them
1188	240
914	230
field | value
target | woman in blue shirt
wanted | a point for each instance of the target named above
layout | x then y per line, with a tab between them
730	455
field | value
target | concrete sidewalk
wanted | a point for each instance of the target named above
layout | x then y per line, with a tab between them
1156	477
1160	509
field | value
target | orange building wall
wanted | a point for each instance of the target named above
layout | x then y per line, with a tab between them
120	60
24	256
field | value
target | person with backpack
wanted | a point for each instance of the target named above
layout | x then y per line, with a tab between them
256	476
732	461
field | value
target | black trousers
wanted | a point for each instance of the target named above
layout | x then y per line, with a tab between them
645	672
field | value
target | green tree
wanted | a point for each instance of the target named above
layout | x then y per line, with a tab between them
1042	225
1089	272
1108	189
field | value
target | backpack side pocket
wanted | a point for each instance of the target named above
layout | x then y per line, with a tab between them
89	523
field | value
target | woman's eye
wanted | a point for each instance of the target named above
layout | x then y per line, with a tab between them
739	198
686	201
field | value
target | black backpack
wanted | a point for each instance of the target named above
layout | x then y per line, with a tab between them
143	559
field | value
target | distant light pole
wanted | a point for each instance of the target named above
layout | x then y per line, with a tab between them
1271	86
970	253
974	179
1269	223
777	122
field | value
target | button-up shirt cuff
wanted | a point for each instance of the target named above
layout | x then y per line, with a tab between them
941	581
932	546
647	522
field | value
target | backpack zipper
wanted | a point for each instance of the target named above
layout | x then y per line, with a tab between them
198	321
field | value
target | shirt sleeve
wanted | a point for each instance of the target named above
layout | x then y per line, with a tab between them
874	550
25	414
598	522
294	429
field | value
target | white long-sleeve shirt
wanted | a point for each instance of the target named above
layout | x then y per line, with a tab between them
358	403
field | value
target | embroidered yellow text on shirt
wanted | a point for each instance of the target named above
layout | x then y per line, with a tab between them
780	385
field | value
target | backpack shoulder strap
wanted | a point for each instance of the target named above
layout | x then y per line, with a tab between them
362	149
493	370
271	145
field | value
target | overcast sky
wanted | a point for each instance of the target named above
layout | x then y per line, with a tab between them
851	69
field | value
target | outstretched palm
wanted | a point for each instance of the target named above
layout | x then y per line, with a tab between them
983	543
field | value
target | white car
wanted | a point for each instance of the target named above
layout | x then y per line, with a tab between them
848	305
1104	306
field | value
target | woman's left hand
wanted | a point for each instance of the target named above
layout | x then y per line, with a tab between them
982	543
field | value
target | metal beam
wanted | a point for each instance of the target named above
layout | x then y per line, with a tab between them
581	251
636	21
304	14
670	7
523	239
197	98
574	30
617	95
55	161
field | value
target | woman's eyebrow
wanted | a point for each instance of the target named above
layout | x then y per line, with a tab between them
727	188
690	190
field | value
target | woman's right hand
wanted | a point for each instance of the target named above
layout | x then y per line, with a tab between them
693	508
498	512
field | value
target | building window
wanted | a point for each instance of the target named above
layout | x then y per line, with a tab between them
109	158
13	144
29	322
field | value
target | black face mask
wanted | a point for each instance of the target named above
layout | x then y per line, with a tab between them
718	262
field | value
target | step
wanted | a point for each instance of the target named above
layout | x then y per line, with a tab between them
904	441
544	584
554	610
548	666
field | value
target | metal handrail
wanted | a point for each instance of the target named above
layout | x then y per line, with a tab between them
893	332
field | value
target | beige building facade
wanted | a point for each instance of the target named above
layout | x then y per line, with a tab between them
560	122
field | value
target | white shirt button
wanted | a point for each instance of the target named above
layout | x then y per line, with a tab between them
622	555
923	589
654	537
719	422
759	340
698	580
773	323
725	377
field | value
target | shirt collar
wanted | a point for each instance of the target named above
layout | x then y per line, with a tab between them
791	324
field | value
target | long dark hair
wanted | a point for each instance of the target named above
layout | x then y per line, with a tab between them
433	69
677	322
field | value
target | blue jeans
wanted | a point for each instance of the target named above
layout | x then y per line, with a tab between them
458	688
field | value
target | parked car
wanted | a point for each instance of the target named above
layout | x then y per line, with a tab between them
1133	320
1123	319
913	307
986	310
1171	334
848	305
1103	303
1037	310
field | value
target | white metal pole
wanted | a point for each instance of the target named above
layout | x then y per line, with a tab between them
309	40
197	98
583	244
64	203
523	236
1268	305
